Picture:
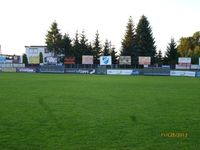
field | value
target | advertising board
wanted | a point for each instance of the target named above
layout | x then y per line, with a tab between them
125	60
183	73
199	61
105	60
33	60
119	72
79	71
8	69
69	60
87	59
2	59
25	70
16	59
50	60
144	60
184	60
198	74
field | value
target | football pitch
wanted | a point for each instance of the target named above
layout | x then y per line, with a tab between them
88	112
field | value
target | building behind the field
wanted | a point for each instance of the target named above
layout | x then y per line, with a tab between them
33	53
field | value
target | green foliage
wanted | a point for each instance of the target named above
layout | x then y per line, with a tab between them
54	39
96	50
81	47
25	59
66	45
128	43
171	55
106	49
76	49
144	39
114	55
41	57
159	58
87	112
84	46
189	47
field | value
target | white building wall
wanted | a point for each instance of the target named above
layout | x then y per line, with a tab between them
34	51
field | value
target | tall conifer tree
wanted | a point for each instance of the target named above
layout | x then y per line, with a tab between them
144	39
128	42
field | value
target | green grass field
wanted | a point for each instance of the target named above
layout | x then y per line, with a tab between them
87	112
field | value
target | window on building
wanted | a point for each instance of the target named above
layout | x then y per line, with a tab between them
46	50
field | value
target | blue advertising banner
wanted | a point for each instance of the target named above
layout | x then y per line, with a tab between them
105	60
2	59
198	74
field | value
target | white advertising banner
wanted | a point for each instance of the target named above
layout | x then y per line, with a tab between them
119	72
87	59
195	67
184	60
199	61
51	60
183	73
125	60
105	60
144	60
183	66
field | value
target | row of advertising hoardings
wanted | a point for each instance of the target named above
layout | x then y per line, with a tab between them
88	59
55	69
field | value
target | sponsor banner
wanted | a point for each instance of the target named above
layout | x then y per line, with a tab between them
135	72
184	60
2	59
198	74
9	61
50	60
183	73
12	65
199	61
25	70
190	74
125	60
119	72
8	69
183	66
69	60
100	71
51	69
144	60
105	60
165	66
87	59
16	59
33	60
195	67
80	71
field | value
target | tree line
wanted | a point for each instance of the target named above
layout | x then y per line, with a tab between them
137	41
63	45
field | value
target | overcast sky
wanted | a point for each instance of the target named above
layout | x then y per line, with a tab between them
25	22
